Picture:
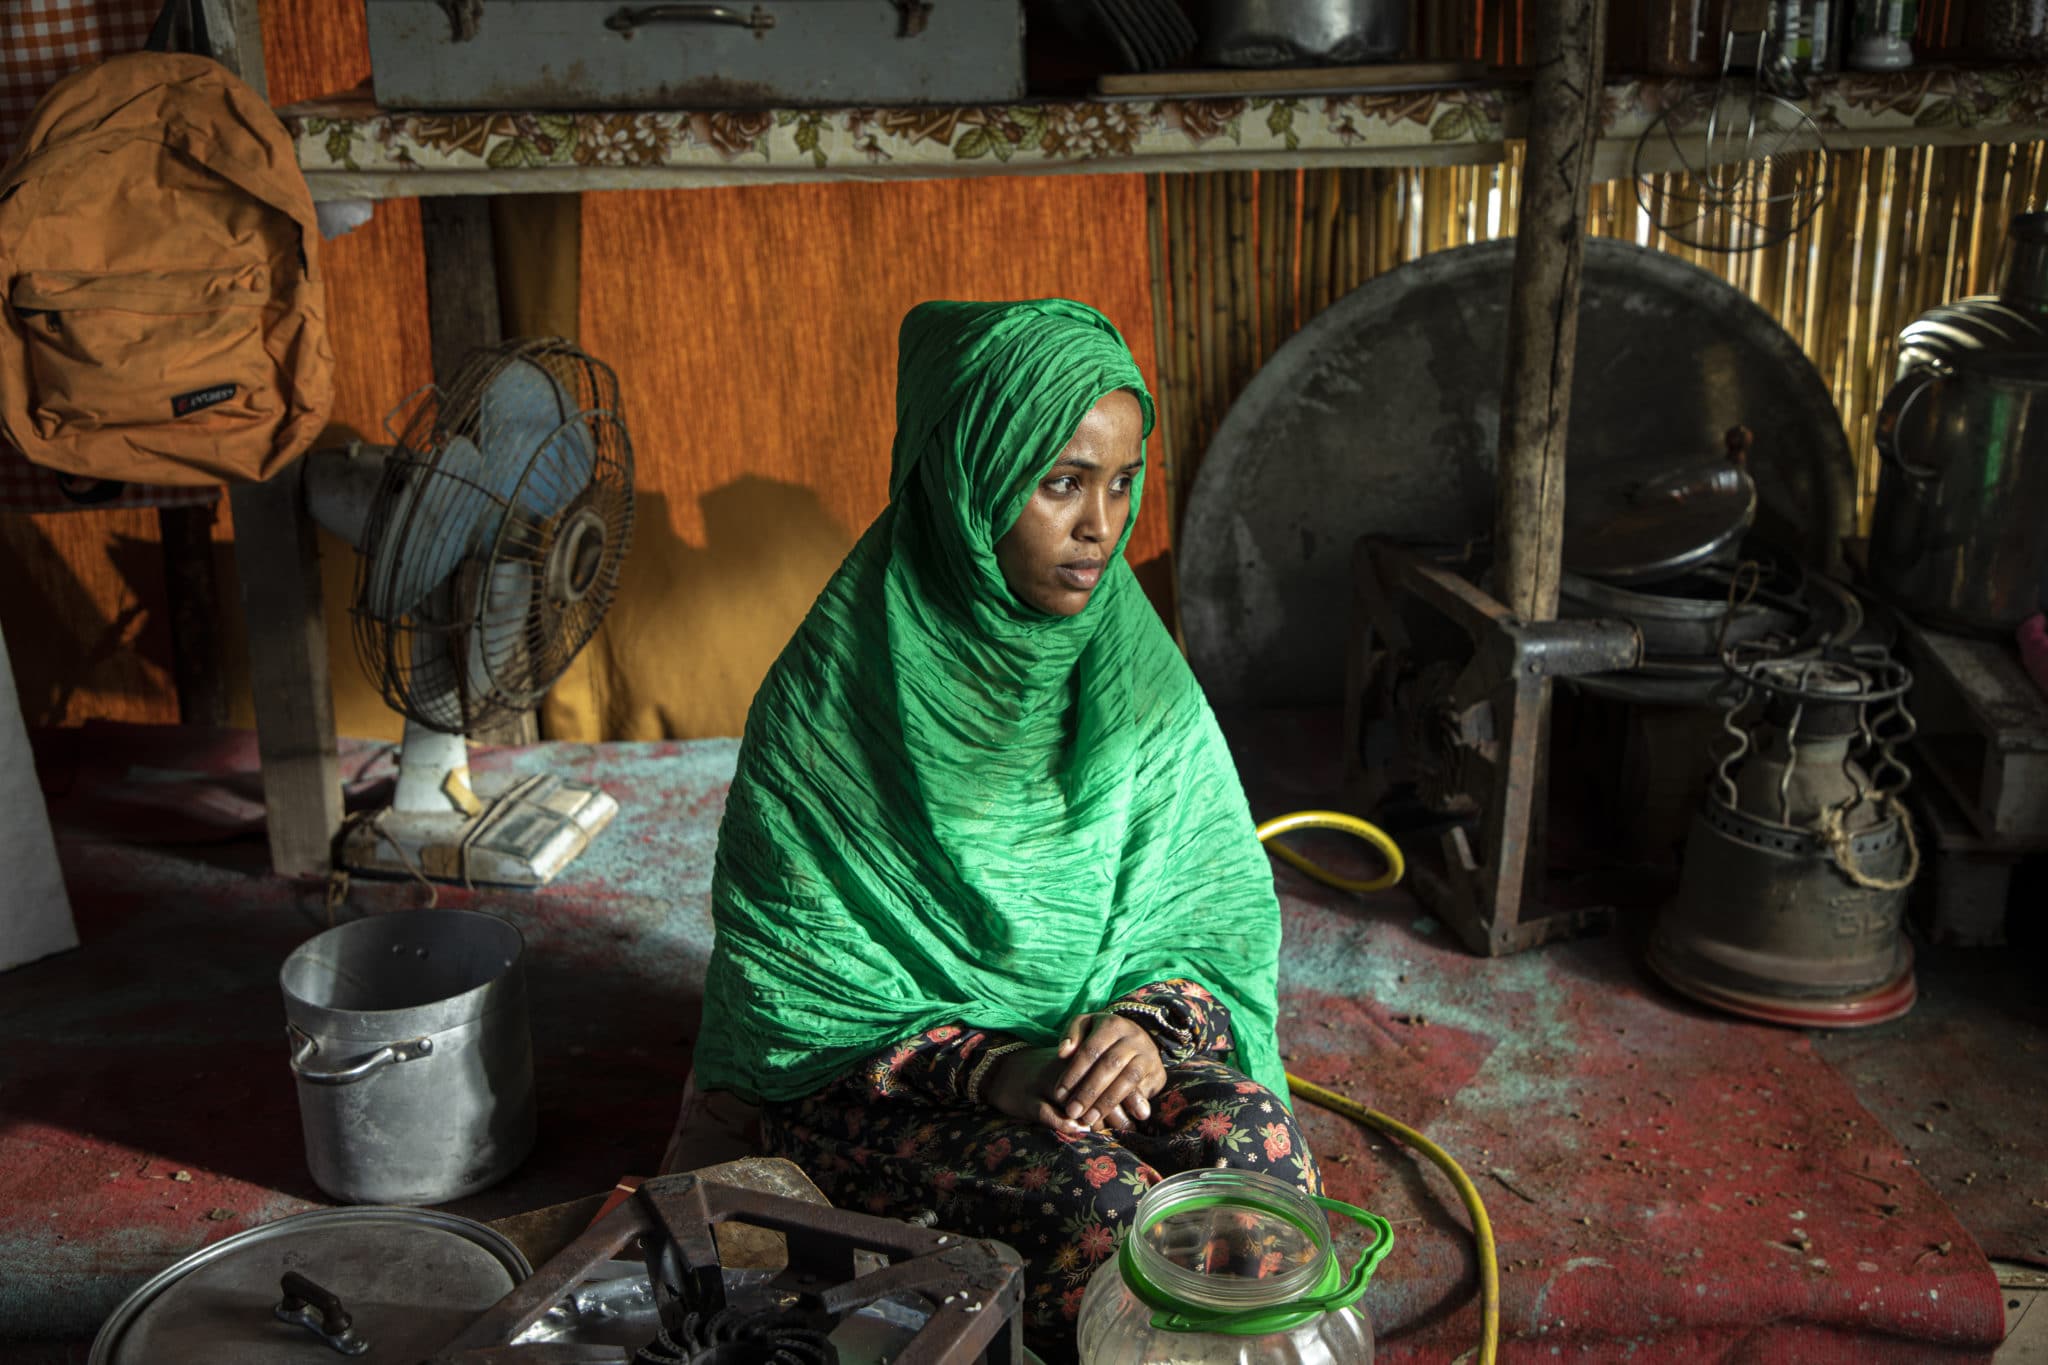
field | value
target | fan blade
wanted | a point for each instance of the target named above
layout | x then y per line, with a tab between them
428	529
430	672
523	412
499	646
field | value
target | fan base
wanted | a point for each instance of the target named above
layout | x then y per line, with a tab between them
523	836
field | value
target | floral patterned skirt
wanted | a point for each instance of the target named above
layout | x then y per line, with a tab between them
1062	1202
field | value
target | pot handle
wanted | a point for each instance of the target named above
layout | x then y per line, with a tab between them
1898	401
319	1311
304	1046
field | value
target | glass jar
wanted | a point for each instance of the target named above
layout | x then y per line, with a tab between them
1226	1267
2012	30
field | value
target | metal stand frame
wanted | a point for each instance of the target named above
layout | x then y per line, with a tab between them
1491	726
977	1287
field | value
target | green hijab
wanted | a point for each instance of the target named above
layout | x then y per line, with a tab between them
953	808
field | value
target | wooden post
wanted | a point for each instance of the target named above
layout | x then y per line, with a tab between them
462	278
463	314
1543	307
278	557
499	268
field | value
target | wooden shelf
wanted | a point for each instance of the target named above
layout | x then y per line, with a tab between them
351	150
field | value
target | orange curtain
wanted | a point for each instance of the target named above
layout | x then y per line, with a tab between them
754	335
754	331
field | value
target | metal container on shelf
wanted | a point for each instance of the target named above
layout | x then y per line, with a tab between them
1269	33
412	1055
1882	35
2010	30
736	54
1963	434
1684	37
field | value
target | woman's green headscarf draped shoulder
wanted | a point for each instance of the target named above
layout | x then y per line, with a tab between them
951	807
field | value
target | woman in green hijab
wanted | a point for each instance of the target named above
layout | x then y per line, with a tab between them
996	940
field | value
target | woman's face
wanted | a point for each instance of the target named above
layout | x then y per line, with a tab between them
1062	542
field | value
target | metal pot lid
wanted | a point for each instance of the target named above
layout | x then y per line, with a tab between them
410	1279
1633	526
1382	417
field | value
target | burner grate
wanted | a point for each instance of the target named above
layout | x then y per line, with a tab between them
742	1336
975	1287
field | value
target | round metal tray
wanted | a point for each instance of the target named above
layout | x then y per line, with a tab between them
1382	417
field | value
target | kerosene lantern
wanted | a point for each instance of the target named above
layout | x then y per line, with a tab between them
1794	884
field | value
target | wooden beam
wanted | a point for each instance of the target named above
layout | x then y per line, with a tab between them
538	240
539	244
462	279
463	313
279	561
235	30
1543	307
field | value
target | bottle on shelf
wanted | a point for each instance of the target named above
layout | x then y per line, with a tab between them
1882	36
1683	37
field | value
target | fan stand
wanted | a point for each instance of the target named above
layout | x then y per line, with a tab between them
438	826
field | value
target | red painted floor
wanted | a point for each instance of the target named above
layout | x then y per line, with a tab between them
1665	1184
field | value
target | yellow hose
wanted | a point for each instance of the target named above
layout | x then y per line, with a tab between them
1475	1207
1482	1229
1337	820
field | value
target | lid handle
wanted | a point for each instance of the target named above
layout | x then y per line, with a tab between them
320	1313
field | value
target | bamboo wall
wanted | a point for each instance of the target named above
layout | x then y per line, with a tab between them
764	368
1495	31
1241	259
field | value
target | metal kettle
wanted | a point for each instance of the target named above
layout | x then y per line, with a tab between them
1962	495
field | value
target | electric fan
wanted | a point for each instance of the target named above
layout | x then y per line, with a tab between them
489	539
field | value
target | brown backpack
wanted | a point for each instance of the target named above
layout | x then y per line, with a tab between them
161	309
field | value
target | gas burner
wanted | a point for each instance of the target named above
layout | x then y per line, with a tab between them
764	1335
946	1300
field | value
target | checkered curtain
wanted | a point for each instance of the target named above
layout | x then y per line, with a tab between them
41	42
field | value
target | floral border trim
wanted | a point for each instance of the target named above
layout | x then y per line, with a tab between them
1906	106
875	141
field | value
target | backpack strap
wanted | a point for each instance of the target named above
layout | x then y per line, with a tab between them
180	27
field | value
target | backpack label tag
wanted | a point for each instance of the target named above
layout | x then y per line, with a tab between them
185	403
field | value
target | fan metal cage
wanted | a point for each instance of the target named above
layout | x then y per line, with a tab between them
1732	170
493	549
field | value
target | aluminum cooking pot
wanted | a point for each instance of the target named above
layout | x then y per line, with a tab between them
1268	33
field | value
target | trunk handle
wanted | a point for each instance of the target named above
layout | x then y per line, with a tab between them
629	18
304	1046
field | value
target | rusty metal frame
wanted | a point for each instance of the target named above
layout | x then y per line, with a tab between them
977	1287
1485	884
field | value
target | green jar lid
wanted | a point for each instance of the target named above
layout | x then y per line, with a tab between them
1256	1239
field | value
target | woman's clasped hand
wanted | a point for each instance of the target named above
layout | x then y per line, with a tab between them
1104	1073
